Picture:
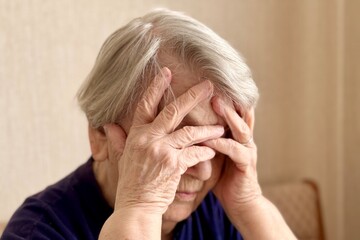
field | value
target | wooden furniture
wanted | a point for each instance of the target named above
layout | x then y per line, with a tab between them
299	203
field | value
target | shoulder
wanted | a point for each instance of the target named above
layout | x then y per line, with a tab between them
31	219
61	211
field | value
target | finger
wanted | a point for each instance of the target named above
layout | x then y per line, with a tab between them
248	116
146	110
237	152
172	114
239	129
190	135
191	156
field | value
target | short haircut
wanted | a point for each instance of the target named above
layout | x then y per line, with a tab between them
129	59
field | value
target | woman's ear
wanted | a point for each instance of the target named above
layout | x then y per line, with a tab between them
98	143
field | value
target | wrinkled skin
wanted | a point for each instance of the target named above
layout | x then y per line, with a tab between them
168	161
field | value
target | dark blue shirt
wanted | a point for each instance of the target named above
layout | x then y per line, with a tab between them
74	208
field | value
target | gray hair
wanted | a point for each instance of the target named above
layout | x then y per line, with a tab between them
130	58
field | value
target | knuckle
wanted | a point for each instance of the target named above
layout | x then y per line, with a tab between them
188	132
154	151
171	110
143	104
138	143
192	93
235	148
162	155
169	161
143	110
232	143
186	136
244	128
142	139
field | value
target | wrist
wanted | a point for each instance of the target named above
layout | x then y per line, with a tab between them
132	223
250	210
260	219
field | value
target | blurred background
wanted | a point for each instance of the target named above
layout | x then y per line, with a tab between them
305	59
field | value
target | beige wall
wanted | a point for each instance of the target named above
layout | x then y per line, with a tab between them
352	120
304	55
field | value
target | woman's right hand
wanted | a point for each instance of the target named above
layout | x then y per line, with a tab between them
156	153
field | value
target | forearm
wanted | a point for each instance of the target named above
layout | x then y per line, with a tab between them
261	220
131	224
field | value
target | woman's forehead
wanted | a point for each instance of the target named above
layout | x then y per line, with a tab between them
203	114
182	80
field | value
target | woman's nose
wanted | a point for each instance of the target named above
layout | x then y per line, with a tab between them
201	171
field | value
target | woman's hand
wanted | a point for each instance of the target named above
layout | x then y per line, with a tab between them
152	158
238	189
238	186
155	155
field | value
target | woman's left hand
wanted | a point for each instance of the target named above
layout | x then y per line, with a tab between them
238	187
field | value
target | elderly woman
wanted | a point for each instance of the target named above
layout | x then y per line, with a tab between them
170	107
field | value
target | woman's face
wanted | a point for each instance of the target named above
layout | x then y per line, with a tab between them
201	178
198	180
